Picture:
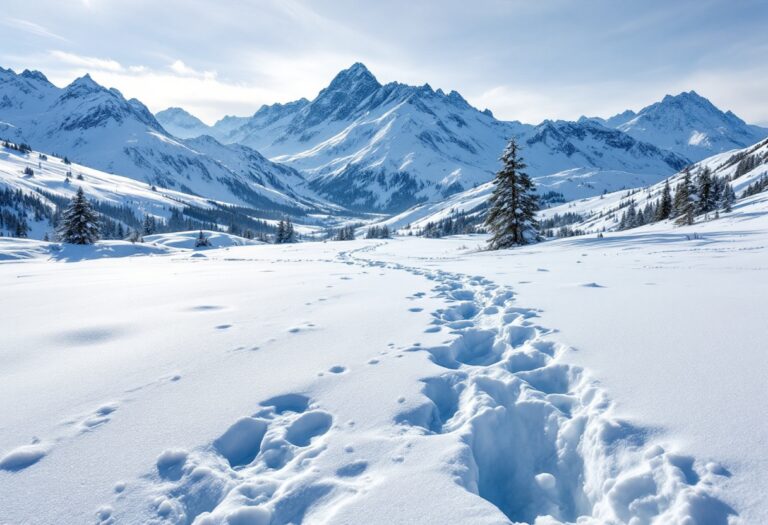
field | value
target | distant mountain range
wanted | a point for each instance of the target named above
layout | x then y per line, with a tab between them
358	145
98	127
386	147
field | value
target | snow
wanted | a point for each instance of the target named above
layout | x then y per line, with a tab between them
608	380
387	147
187	240
98	127
688	124
13	249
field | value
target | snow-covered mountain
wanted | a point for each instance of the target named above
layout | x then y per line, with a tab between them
386	147
688	124
100	128
593	214
182	124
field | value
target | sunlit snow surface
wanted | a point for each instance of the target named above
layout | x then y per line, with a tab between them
402	381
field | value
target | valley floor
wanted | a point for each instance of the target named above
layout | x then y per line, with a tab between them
614	380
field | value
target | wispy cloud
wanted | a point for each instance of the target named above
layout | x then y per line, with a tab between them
91	63
180	68
31	28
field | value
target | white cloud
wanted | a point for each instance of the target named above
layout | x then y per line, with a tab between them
90	63
180	68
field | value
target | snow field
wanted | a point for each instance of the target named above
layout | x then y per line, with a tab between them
376	382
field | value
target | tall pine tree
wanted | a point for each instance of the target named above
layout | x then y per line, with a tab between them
513	205
79	223
684	203
664	210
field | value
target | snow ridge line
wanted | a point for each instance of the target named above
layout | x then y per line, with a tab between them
539	437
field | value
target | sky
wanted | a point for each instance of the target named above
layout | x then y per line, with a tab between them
526	60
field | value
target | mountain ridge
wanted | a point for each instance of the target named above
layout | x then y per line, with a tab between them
99	127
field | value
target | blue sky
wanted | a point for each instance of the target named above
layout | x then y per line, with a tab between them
525	60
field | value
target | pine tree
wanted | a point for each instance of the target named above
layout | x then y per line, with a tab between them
79	223
280	235
290	234
513	205
704	190
664	210
727	198
149	226
685	206
21	228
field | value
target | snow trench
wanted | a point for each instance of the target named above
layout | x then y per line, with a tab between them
535	437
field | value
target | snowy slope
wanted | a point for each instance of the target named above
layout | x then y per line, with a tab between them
98	127
603	212
49	176
688	124
599	212
130	200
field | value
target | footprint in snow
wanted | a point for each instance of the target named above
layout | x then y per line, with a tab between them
337	369
23	457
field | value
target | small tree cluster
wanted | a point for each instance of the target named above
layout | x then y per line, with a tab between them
21	147
558	220
149	226
345	233
704	195
377	232
285	232
634	216
756	187
747	164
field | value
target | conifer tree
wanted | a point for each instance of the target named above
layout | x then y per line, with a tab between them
150	225
685	206
727	198
705	192
513	205
79	223
664	210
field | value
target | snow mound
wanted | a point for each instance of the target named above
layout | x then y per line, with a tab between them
12	249
186	240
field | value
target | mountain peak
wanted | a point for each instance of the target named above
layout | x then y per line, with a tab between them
34	75
690	125
84	83
355	75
